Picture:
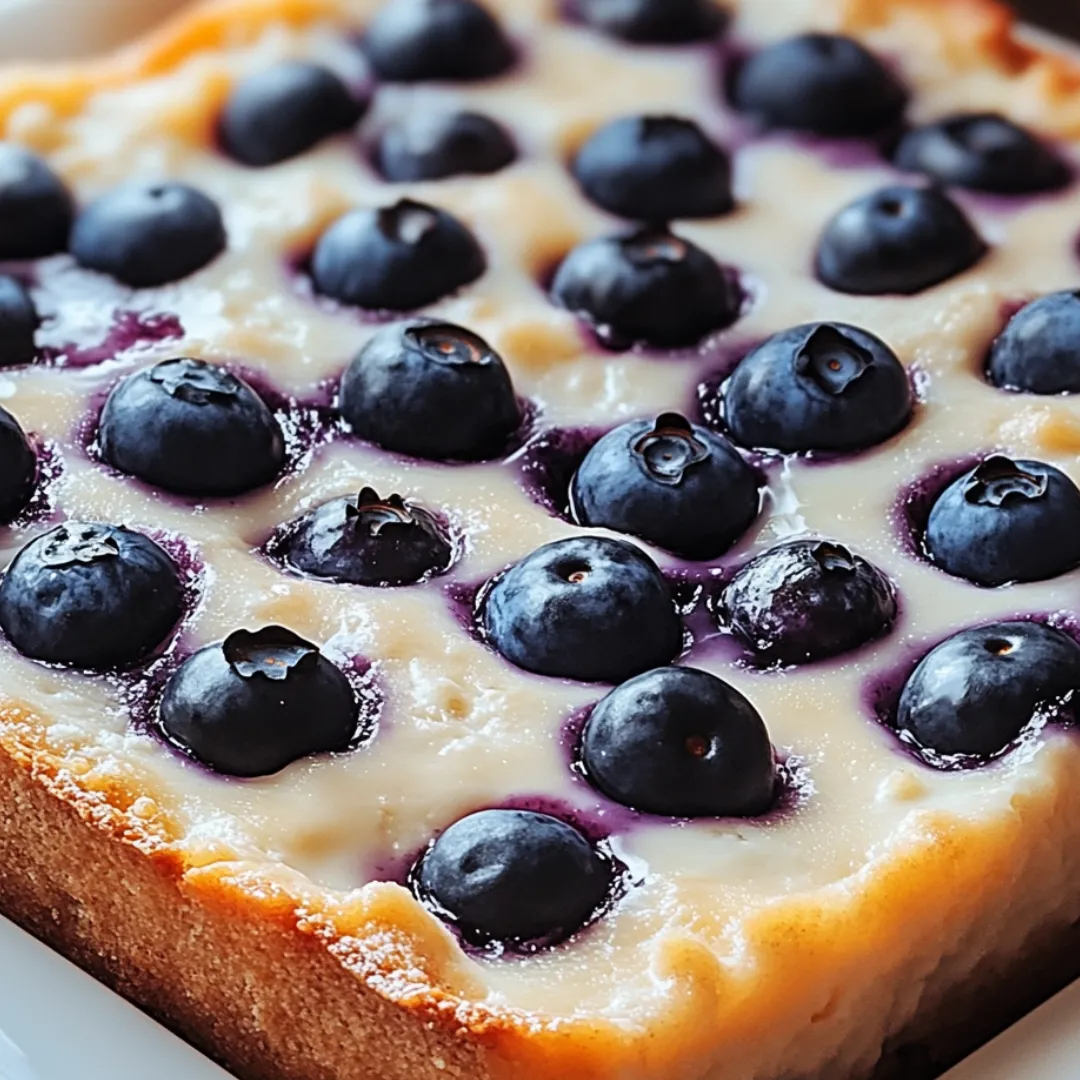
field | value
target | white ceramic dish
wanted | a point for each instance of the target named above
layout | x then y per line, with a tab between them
56	1023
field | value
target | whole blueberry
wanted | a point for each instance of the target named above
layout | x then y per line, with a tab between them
818	387
397	258
149	233
18	468
808	600
36	208
431	144
977	691
18	323
1038	352
651	22
983	152
682	743
258	701
669	482
191	427
824	84
448	40
655	168
1006	521
90	595
513	877
897	240
430	390
284	110
365	540
649	287
585	608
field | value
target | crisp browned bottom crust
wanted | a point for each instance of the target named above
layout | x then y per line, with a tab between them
270	1002
266	1000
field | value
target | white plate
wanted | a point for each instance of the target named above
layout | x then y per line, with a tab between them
56	1023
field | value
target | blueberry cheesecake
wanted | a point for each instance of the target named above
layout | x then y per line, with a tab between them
541	538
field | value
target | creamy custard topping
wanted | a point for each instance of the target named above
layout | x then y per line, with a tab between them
459	728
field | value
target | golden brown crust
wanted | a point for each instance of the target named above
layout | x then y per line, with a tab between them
276	979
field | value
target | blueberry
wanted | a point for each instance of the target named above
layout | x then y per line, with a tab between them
651	22
18	323
681	743
823	84
193	428
147	234
983	152
398	258
284	110
93	596
513	877
431	390
897	240
1006	521
585	608
648	287
258	701
36	208
1039	351
434	144
449	40
655	168
18	468
365	540
818	387
977	692
808	600
670	482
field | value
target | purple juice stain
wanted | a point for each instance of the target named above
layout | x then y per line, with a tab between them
50	468
466	602
130	330
911	510
548	462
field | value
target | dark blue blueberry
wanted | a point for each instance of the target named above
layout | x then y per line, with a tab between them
364	540
149	233
191	427
983	152
1006	521
648	287
824	84
430	390
513	877
651	22
397	258
821	386
585	608
977	692
806	601
258	701
284	110
655	168
93	596
18	468
682	743
36	208
434	144
897	240
447	40
1039	351
18	323
670	482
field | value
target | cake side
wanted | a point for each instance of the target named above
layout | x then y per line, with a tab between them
717	1021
